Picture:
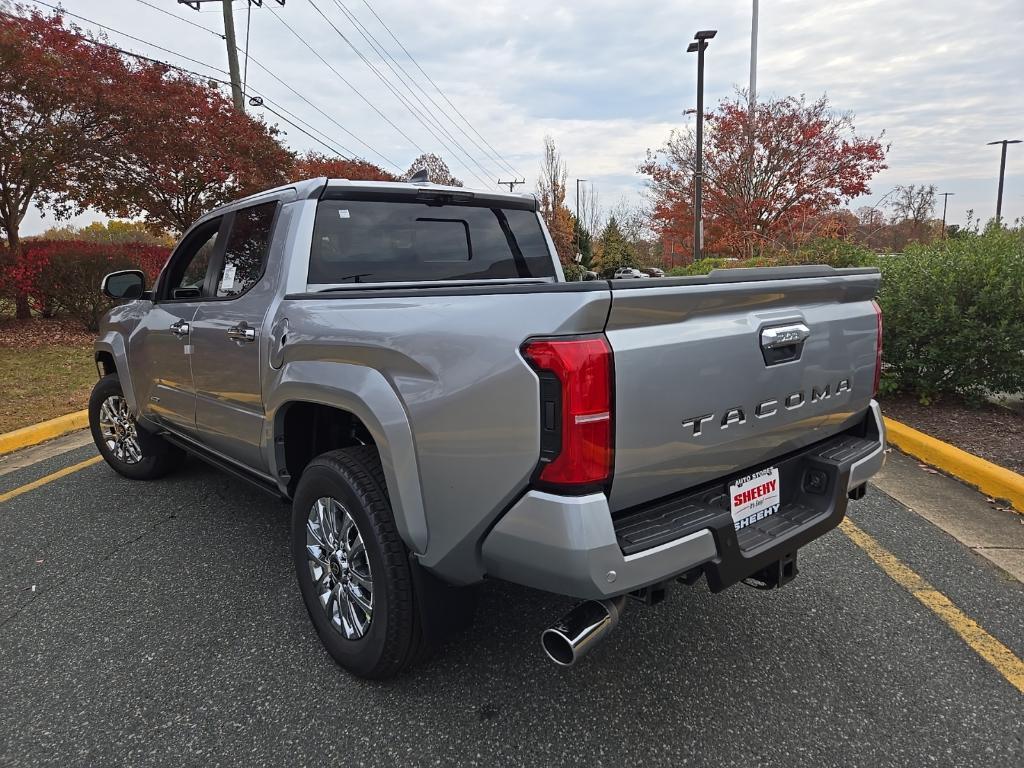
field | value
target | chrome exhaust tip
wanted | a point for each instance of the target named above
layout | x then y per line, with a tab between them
581	629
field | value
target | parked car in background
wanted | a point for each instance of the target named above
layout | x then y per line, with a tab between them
628	273
653	271
407	365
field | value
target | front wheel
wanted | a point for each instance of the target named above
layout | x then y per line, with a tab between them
128	449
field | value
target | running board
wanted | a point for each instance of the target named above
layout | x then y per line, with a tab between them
209	457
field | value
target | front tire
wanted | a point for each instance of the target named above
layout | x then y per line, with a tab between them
128	449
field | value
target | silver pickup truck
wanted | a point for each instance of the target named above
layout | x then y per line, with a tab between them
407	364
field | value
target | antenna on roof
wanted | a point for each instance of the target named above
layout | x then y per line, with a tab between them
420	177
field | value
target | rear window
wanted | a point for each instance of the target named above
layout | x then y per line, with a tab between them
374	241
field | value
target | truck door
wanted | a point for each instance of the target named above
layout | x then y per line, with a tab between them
228	338
160	349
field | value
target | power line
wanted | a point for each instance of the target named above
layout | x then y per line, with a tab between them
289	87
405	102
180	18
495	154
344	80
295	117
409	85
201	75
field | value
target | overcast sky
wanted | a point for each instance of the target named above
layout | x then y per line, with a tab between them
608	80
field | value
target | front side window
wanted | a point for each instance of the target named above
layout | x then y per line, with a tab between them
191	261
245	254
380	241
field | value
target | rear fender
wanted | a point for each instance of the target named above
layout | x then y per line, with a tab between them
366	394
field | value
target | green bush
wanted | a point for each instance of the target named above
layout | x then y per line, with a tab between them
954	317
573	271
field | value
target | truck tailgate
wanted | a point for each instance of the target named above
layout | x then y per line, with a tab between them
718	374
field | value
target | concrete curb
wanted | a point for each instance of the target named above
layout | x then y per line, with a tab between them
46	430
990	479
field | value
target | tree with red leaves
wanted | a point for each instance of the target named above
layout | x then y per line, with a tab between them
768	182
315	164
57	93
184	151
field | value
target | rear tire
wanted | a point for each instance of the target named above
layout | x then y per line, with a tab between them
129	449
364	594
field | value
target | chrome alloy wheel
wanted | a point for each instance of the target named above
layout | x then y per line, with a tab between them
119	431
340	567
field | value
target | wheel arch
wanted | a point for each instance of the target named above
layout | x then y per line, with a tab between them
111	356
318	406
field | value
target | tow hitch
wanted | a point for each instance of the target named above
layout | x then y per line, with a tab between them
778	574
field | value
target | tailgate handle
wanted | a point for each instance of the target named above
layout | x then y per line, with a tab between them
783	343
784	335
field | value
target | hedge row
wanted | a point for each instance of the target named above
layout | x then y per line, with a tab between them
64	275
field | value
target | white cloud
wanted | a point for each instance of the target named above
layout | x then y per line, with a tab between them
609	79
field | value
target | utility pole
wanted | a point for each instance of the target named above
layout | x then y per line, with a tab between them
945	200
753	61
578	225
236	76
699	45
237	94
512	184
1002	173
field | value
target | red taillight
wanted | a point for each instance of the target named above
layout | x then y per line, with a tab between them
583	368
878	348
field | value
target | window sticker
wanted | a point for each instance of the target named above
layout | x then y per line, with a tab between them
343	213
227	282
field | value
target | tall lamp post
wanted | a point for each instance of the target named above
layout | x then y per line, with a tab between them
945	200
578	226
1002	173
699	45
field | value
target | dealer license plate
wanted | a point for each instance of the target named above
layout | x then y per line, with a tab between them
754	497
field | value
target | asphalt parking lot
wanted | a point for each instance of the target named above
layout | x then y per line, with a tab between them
159	623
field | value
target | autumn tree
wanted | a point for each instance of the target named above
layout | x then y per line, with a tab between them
57	92
551	195
436	168
188	151
315	164
767	180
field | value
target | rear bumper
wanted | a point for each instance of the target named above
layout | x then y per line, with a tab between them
574	546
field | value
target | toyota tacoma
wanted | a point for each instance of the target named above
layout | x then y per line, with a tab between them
407	365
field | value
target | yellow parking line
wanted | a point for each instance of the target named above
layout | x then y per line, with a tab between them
49	478
986	646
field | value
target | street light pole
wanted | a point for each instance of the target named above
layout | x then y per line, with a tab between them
699	45
945	200
753	59
1002	173
578	226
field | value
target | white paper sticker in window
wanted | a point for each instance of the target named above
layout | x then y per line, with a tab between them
227	281
343	213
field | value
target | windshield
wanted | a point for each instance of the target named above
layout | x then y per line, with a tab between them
375	241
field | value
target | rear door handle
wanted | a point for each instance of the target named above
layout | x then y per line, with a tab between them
180	329
242	332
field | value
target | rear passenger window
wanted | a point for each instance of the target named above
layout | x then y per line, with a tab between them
374	241
245	254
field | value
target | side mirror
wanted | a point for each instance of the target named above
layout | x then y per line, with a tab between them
126	284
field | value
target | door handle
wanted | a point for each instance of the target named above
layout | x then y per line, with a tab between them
242	332
180	329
